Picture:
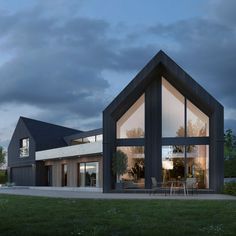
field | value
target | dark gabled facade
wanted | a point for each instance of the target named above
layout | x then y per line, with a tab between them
40	136
148	83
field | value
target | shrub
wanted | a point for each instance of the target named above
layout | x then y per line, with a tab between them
230	188
230	168
3	177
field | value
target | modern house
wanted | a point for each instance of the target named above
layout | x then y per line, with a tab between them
165	122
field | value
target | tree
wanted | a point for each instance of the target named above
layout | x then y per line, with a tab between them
2	157
119	164
230	144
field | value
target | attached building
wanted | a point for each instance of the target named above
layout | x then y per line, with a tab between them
165	122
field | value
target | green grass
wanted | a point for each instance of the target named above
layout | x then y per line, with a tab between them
20	215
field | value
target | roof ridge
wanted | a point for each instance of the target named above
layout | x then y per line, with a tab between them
46	123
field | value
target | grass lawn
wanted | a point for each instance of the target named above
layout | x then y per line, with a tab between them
21	215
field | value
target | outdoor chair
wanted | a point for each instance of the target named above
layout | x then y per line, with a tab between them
191	184
158	187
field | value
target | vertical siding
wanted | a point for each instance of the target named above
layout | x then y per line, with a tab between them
72	170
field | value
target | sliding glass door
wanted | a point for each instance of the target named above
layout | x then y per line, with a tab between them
88	174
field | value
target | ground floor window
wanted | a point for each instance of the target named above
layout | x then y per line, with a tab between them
64	175
88	174
135	173
49	175
181	162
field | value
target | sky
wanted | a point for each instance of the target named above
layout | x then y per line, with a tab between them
64	61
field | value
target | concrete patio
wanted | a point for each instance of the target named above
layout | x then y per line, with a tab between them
76	193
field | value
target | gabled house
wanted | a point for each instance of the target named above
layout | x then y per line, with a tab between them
168	126
44	154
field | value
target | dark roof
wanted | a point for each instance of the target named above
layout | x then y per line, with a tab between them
46	135
162	64
84	134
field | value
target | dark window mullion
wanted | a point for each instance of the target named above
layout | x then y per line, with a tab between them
185	135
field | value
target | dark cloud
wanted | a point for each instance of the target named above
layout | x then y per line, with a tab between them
230	124
57	63
207	49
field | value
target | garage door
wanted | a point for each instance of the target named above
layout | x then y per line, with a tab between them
22	176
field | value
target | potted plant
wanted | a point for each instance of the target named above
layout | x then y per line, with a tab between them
119	166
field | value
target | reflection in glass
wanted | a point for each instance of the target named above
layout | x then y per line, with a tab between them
89	174
64	175
135	176
198	164
172	111
173	164
197	122
131	124
99	137
82	175
90	139
24	147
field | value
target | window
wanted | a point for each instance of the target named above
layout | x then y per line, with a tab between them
197	122
131	124
99	137
88	174
24	147
172	111
64	175
173	115
90	139
180	162
135	174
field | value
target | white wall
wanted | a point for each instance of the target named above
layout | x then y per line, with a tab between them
69	151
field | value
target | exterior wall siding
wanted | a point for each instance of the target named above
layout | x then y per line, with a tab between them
14	159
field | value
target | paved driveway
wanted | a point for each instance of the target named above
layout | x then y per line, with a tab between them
75	193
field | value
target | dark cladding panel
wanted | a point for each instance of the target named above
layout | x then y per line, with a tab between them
153	132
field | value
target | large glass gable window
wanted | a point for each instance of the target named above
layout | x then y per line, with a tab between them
197	122
131	124
172	111
173	115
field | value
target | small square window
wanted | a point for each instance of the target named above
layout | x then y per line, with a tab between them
24	147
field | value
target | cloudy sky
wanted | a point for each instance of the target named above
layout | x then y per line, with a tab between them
63	61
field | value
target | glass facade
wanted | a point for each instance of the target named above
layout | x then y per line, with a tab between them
135	174
197	122
180	119
88	174
131	124
172	111
197	164
181	162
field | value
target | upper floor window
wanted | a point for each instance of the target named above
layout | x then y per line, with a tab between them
24	147
173	115
131	124
90	139
197	122
172	111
